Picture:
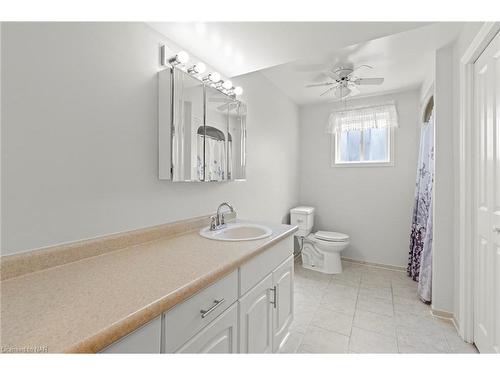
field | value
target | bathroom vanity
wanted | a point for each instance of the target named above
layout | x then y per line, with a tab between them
247	311
164	289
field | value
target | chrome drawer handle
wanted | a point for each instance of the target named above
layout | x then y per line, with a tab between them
217	303
273	302
496	229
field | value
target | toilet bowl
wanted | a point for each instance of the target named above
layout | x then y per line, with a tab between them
321	251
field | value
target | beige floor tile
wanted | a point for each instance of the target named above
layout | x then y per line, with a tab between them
385	325
292	344
347	278
363	341
421	340
408	293
318	340
366	310
425	323
332	321
459	346
311	275
370	281
345	305
343	291
378	292
375	305
415	307
302	318
308	293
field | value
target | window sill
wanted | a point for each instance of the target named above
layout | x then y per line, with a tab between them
363	164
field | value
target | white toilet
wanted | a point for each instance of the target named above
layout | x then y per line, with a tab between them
320	250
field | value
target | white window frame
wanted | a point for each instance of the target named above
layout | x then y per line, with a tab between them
335	153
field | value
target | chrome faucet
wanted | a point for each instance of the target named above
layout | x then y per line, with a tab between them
218	221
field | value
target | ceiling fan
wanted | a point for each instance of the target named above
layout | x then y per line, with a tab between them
343	82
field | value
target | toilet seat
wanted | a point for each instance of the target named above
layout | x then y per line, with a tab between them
331	236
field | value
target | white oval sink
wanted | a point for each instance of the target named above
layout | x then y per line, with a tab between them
237	232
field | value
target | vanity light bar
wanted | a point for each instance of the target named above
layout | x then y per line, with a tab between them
180	59
197	68
214	78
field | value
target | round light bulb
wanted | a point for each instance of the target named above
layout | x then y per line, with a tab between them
200	68
238	90
228	85
214	77
182	57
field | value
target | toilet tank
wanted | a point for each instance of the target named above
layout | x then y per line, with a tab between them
303	217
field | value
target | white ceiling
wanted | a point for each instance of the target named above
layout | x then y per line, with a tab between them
236	48
403	59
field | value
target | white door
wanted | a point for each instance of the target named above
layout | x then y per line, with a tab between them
220	336
256	332
487	192
283	304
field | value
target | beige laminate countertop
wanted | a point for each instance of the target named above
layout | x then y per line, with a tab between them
86	305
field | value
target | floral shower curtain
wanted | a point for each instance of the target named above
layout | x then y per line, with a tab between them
420	258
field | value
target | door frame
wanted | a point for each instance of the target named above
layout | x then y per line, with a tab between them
466	172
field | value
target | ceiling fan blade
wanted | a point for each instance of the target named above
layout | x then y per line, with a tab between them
354	90
369	81
330	74
342	92
330	89
320	84
360	67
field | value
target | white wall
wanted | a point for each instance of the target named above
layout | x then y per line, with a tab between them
371	204
79	138
444	210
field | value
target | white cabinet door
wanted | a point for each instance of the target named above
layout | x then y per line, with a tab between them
256	318
220	336
283	307
145	339
487	191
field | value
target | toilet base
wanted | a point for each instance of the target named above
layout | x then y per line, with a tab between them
329	263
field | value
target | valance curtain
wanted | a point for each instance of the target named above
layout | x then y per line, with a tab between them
372	117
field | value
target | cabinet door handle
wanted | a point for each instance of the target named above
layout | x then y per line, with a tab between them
273	302
216	304
496	229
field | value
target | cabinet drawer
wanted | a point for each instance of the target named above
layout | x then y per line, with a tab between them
186	319
260	266
220	336
145	339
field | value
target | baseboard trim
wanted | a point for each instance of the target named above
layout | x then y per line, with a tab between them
455	323
373	264
443	315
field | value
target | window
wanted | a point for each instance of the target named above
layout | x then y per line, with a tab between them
363	136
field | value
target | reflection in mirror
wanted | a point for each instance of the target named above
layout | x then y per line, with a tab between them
237	141
187	118
216	134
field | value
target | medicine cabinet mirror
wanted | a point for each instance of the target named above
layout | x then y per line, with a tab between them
202	131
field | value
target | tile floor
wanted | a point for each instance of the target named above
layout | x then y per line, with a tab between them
366	310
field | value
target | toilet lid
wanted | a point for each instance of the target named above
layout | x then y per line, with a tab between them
331	236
